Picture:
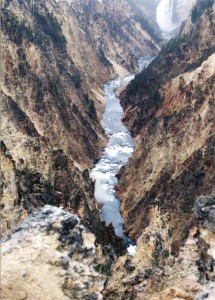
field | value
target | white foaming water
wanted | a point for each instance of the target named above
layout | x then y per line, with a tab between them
131	250
171	13
164	16
116	154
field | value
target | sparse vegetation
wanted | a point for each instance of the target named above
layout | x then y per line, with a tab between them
148	272
50	27
171	46
156	262
90	108
206	53
77	81
33	190
148	27
102	57
199	8
105	268
15	30
46	29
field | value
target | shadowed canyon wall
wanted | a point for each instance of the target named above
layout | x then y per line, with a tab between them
169	108
55	58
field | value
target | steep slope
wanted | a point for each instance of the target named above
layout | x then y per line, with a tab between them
145	6
168	106
170	111
108	30
153	273
54	64
61	265
45	111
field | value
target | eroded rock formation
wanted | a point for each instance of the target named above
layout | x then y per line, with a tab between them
169	108
51	256
153	273
55	58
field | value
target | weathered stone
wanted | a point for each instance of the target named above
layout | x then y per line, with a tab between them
36	265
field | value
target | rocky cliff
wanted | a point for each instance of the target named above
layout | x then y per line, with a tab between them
169	108
153	273
60	265
55	58
113	33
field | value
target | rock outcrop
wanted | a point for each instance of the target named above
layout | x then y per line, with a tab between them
169	108
56	56
50	256
153	273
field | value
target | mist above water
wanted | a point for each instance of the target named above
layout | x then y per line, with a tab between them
164	16
171	13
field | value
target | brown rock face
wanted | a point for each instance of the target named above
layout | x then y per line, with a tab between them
55	58
11	212
170	110
174	294
153	273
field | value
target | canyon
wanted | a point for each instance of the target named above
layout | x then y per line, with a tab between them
52	98
76	188
172	123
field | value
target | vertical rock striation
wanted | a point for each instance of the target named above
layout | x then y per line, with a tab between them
164	188
55	60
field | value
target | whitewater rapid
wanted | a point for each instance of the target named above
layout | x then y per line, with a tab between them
116	154
118	150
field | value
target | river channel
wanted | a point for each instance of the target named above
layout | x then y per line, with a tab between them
116	154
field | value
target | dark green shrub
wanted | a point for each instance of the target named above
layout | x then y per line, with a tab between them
103	58
199	8
148	273
50	27
90	108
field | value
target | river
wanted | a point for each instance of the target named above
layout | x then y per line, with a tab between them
118	150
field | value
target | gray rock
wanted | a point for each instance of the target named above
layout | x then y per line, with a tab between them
205	210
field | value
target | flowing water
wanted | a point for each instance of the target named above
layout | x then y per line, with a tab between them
164	16
116	153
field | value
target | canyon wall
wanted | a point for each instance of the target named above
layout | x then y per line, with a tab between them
55	58
169	109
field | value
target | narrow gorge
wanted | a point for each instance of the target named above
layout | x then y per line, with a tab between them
107	179
116	153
